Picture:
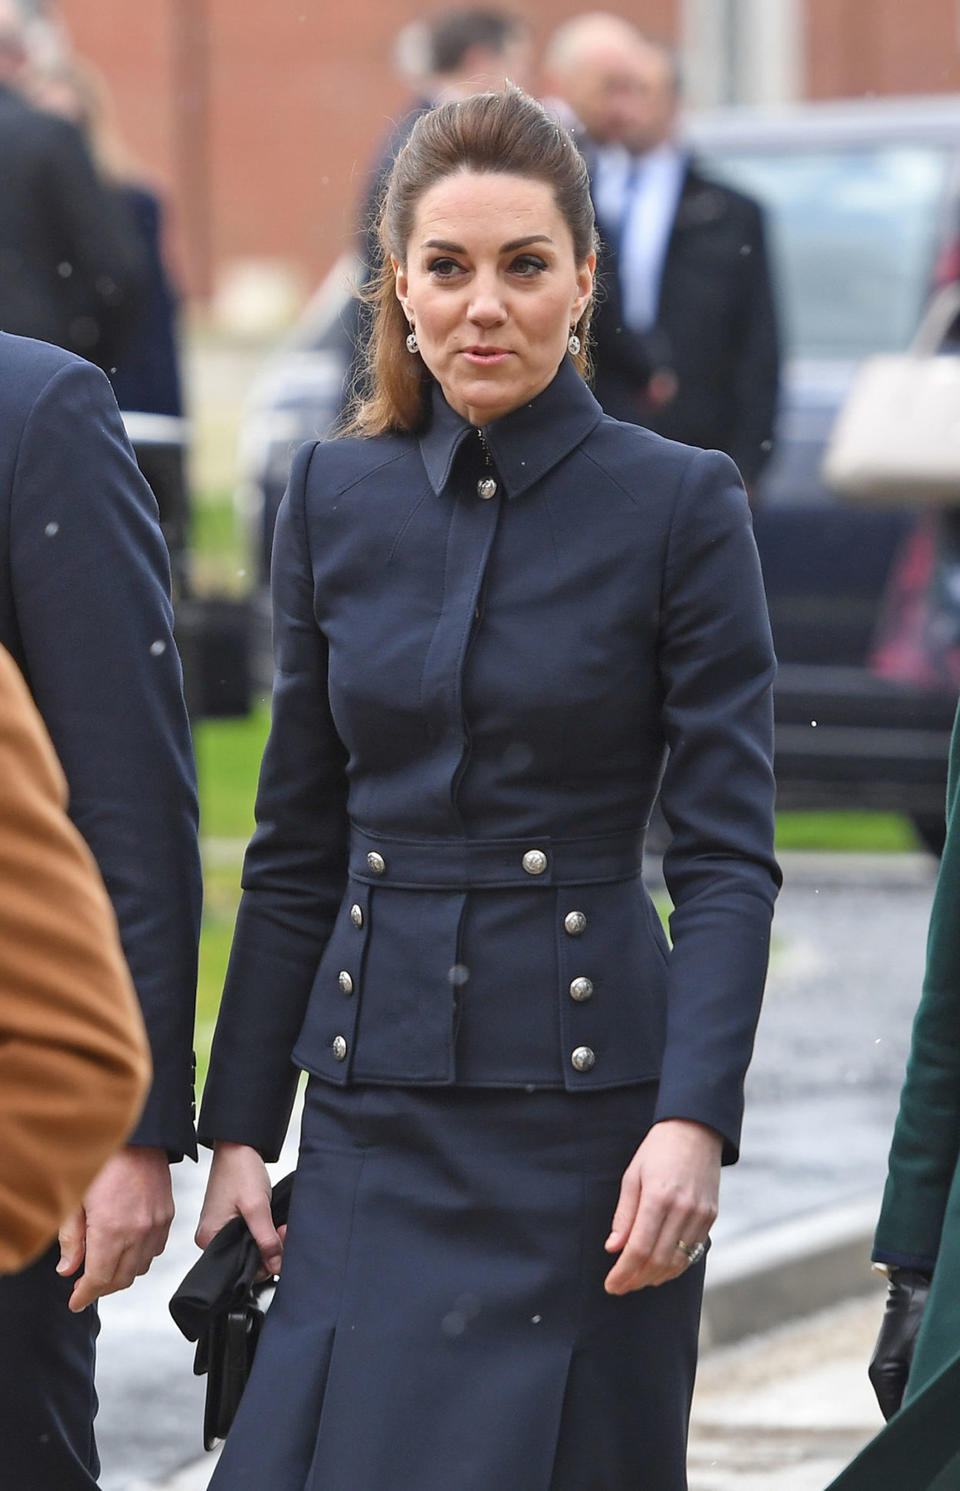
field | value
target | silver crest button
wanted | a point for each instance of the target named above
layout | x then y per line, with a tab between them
486	488
345	982
339	1048
583	1059
376	863
356	915
534	861
581	989
575	923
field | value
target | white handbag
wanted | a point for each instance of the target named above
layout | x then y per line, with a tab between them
896	441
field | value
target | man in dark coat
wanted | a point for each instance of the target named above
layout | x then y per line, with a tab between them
70	269
85	612
685	326
456	53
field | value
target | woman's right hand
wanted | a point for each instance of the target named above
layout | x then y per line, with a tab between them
240	1186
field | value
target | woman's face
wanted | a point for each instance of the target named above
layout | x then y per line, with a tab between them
493	288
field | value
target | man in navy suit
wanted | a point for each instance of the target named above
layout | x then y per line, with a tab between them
85	611
686	327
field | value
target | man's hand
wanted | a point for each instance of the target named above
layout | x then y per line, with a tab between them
668	1195
121	1226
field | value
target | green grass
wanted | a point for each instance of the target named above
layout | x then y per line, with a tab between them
228	759
866	833
218	550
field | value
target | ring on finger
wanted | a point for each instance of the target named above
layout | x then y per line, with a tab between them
695	1253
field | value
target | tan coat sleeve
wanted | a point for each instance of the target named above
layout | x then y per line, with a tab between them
74	1066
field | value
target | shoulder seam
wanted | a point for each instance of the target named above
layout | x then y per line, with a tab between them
65	368
360	476
612	476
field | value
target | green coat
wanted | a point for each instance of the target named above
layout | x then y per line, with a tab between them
919	1450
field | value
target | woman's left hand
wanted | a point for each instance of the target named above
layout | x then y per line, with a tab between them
668	1196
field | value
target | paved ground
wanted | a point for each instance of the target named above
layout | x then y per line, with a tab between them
822	1095
787	1410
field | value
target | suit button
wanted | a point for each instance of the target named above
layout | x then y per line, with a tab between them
339	1048
581	989
575	923
376	863
345	982
356	915
534	861
582	1060
486	488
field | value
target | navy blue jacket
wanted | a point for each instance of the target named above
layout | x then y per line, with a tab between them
473	700
84	609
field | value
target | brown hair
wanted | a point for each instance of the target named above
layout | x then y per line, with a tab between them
509	133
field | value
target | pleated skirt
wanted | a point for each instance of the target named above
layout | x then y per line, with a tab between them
441	1323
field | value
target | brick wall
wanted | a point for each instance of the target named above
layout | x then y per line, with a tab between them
882	46
262	115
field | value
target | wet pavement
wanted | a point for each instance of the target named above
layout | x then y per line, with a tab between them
821	1098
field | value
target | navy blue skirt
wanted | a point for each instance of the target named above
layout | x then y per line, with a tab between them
441	1322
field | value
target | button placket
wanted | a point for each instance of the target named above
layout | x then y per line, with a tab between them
473	525
577	992
346	981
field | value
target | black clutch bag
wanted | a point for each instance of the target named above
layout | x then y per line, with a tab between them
221	1306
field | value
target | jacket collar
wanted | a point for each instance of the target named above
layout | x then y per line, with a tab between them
526	443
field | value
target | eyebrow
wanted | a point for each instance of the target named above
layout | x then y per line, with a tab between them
506	248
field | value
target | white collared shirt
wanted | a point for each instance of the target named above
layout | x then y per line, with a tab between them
636	200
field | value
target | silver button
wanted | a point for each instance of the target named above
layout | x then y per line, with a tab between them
339	1048
376	863
581	989
583	1059
356	915
534	861
486	488
345	982
575	923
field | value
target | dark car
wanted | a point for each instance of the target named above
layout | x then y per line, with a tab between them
862	200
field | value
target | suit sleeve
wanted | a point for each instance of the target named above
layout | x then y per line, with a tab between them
295	869
717	667
90	581
73	1054
926	1140
99	243
631	355
756	360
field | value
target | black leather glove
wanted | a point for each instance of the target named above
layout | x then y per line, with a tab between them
890	1364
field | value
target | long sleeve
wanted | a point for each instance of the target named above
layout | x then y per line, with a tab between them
90	579
756	357
717	666
926	1140
74	1066
295	868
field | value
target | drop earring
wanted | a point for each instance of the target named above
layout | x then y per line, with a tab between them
573	343
412	344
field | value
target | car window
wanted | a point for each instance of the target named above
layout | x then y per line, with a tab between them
854	236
